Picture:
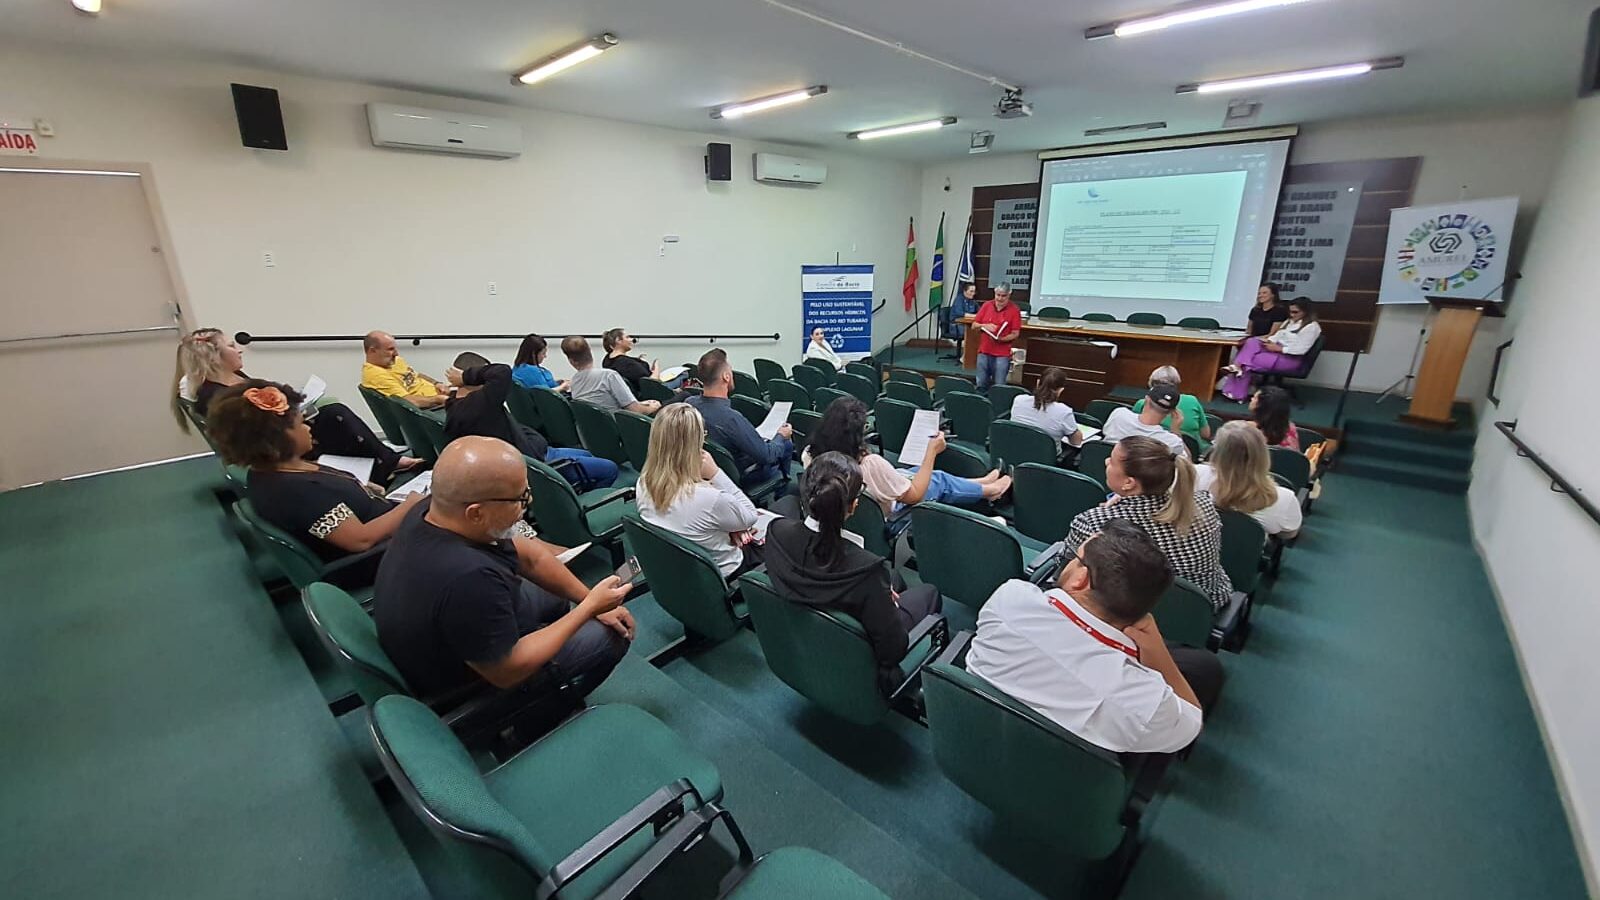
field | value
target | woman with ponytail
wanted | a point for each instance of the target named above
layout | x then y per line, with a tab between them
1155	488
816	562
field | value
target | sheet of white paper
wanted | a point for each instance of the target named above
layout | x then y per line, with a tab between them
572	554
313	391
674	372
764	518
1089	432
779	414
359	466
923	426
418	485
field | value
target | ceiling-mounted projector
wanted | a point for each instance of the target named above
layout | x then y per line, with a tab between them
1012	106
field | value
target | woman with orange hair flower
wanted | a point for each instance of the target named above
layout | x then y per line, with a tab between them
257	424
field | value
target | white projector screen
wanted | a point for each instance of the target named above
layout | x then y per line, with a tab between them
1181	232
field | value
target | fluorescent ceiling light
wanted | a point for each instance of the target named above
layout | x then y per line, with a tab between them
893	130
735	110
564	60
1296	77
89	7
1186	16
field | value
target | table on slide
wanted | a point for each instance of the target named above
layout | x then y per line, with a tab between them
1197	353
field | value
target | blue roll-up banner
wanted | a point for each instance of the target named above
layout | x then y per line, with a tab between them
838	299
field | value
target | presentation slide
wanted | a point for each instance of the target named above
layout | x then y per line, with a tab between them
1181	232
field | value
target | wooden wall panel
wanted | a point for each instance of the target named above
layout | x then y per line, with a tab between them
983	199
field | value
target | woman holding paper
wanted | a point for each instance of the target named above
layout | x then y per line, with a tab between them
843	429
684	491
209	361
257	424
1000	322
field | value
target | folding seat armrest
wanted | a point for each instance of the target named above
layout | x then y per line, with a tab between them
1043	566
664	809
669	843
938	627
354	559
955	653
627	493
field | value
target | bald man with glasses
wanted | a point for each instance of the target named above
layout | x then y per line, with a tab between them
465	595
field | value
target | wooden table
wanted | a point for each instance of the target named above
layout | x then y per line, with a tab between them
1197	353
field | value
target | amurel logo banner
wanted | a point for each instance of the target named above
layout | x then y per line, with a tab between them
1448	250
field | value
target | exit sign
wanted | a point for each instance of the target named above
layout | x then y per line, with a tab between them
18	143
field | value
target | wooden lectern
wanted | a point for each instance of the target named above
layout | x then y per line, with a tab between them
1434	398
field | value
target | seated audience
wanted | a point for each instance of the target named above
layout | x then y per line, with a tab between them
257	424
1195	422
684	491
465	598
1162	407
1087	654
602	387
528	368
210	362
758	459
1154	488
633	369
388	373
1282	352
816	562
1238	476
819	348
1269	411
479	408
843	429
1045	411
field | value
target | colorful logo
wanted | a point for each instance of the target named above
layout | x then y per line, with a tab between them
1447	252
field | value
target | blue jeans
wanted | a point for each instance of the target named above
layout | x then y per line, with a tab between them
946	488
779	469
992	370
599	473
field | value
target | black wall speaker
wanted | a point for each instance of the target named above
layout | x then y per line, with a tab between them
1589	81
719	162
260	119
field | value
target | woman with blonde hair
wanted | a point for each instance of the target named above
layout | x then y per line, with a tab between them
1154	488
1195	424
1239	477
684	491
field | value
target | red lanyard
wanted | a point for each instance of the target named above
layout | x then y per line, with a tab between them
1093	632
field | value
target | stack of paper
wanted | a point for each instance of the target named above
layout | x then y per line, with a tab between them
418	485
572	553
924	425
776	416
764	518
313	391
359	466
674	372
1089	432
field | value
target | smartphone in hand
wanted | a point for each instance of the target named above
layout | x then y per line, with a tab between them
629	570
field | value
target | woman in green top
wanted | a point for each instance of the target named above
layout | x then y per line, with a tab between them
1195	423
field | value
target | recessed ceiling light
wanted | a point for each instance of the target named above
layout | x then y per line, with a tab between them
1185	16
1296	77
893	130
735	110
87	7
566	59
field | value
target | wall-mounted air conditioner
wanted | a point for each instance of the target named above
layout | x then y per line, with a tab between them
771	167
412	128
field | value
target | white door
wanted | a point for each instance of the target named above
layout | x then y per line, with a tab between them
89	328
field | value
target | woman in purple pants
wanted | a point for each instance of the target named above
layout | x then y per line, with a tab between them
1281	352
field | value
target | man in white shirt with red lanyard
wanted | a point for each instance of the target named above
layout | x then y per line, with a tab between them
999	322
1087	654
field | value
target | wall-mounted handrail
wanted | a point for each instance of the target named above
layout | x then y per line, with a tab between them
1558	482
932	310
245	337
1494	372
87	334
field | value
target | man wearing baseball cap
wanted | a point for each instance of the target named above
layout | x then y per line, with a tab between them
1159	403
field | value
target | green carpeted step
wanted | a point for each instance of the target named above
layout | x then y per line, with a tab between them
1463	435
1445	457
1400	472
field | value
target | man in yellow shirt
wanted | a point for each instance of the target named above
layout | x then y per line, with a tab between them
388	374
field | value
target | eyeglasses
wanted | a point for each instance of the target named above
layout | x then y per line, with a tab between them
525	498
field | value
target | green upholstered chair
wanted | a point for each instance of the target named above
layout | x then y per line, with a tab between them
1184	615
1192	444
746	384
790	872
784	390
567	519
754	409
869	522
1053	312
1147	318
1048	499
685	581
914	394
826	657
299	563
803	421
945	385
350	635
767	370
418	437
634	429
1244	542
970	416
432	424
1099	317
863	389
385	414
893	418
523	410
966	555
758	493
1001	396
1292	465
573	814
651	389
1102	409
1021	765
1199	322
908	376
1309	438
824	396
823	366
560	427
1215	422
962	462
1084	418
597	431
811	378
1092	456
1014	443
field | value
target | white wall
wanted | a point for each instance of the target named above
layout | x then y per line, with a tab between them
1538	546
368	238
1489	156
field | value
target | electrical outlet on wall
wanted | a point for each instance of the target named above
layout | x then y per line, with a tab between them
268	259
494	289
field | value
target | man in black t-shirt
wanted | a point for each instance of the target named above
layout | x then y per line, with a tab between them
461	597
